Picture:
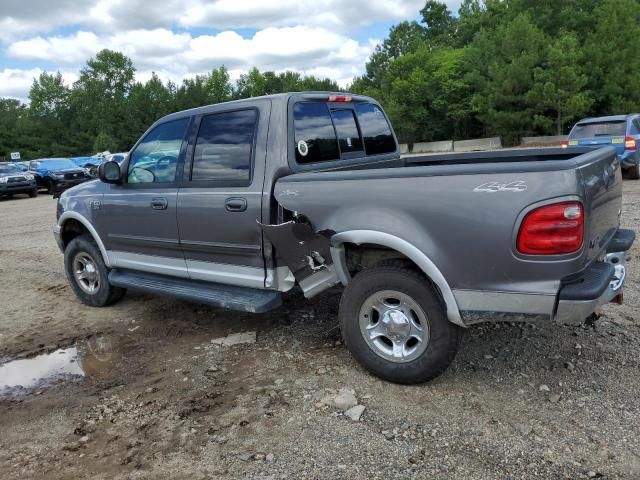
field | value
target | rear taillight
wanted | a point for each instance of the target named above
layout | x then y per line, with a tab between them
630	144
552	230
565	144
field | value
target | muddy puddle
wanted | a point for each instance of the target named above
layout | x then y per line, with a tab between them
93	357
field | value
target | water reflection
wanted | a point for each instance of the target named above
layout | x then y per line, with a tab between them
91	357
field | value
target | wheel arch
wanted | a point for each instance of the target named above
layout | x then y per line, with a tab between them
408	250
71	222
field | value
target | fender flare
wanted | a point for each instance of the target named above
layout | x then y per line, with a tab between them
407	249
92	231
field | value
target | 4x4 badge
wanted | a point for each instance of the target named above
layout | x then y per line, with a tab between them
493	187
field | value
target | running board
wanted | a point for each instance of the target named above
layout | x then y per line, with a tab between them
242	299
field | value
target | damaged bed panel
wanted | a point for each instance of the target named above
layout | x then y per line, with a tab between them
306	253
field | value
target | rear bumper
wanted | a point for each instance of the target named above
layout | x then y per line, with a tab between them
573	302
599	284
629	159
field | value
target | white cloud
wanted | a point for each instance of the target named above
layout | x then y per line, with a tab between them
310	50
15	83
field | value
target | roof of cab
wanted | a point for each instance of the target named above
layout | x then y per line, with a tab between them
284	97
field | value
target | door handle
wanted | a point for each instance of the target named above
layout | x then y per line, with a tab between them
159	203
235	204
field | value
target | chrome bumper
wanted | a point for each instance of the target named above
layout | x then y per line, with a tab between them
574	312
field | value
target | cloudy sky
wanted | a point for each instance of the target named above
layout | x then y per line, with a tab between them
181	38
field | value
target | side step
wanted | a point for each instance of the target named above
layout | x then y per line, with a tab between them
215	294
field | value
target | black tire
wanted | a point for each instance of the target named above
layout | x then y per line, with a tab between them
444	336
634	172
33	193
106	294
49	186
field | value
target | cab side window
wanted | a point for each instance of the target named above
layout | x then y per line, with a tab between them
155	159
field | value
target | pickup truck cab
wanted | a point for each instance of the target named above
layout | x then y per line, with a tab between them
235	204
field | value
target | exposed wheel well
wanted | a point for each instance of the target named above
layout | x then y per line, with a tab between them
368	255
71	229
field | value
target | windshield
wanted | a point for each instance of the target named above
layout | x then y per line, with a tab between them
82	161
8	169
600	129
58	164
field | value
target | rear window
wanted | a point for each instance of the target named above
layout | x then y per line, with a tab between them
375	129
315	136
599	129
224	146
347	130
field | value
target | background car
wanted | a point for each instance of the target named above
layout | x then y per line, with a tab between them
13	181
116	157
57	174
619	131
89	164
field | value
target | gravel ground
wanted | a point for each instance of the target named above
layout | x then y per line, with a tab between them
161	400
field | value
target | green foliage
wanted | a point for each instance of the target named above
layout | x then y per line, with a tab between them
104	142
506	67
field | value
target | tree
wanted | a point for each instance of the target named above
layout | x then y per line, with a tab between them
440	23
104	142
559	86
49	96
501	65
218	86
611	50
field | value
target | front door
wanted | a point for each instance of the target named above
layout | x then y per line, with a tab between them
137	219
220	202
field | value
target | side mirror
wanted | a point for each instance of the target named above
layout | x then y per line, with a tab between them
109	172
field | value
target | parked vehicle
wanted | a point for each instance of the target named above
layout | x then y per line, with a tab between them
619	131
57	174
234	204
13	181
116	157
89	164
21	166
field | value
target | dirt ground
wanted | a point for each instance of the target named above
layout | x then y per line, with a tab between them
160	400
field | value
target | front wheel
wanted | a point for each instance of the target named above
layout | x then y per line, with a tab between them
88	275
33	193
395	326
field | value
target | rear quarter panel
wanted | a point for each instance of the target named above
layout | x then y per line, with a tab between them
467	232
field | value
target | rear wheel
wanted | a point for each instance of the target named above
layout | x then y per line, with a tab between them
634	172
50	187
395	326
88	275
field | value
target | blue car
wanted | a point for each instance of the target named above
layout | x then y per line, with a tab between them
619	131
57	174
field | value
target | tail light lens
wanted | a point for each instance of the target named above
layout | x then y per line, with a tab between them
552	230
630	144
340	98
565	144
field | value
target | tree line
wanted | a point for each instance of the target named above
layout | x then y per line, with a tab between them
509	68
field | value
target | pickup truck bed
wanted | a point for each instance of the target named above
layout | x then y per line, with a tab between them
435	200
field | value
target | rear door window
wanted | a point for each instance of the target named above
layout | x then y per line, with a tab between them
224	147
376	131
315	136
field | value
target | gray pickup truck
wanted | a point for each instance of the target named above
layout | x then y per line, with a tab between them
234	204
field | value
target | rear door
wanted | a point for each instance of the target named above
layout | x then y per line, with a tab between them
596	134
137	220
220	202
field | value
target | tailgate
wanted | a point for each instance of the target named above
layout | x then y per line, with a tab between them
616	142
601	178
